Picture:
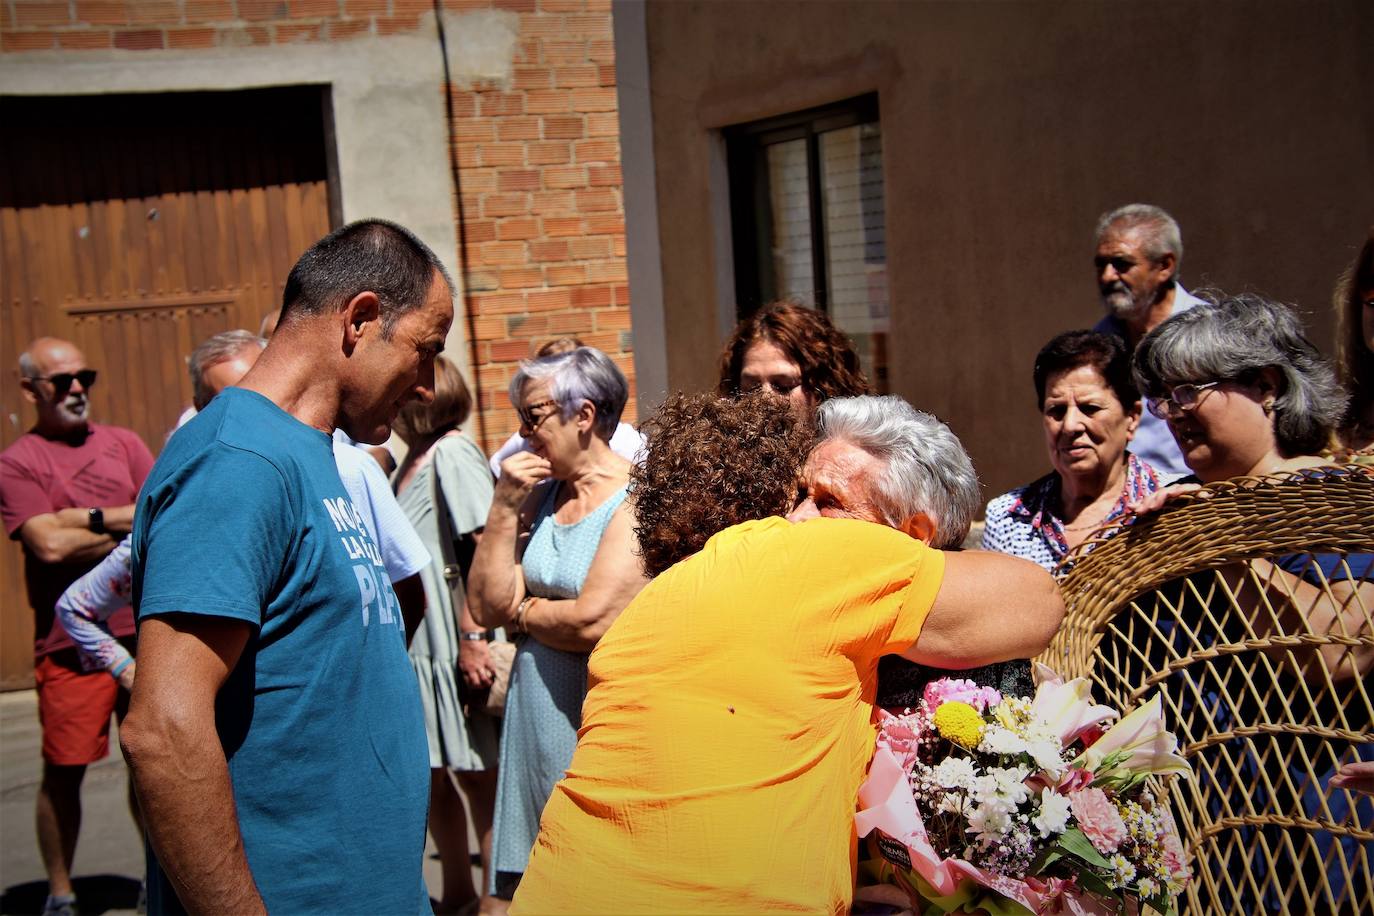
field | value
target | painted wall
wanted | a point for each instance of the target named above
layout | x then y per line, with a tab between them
1008	127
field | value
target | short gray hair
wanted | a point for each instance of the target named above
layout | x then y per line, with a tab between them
1233	339
1160	230
215	350
28	366
928	470
584	374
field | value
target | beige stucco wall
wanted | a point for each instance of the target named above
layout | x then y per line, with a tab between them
1007	128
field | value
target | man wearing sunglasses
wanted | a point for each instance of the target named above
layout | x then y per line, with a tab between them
67	489
1139	250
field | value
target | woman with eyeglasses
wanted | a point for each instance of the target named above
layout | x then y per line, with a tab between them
792	351
556	564
1247	395
1089	411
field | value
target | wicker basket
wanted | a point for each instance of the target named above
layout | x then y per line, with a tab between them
1264	697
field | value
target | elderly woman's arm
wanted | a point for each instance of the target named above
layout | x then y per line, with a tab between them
991	607
613	580
496	583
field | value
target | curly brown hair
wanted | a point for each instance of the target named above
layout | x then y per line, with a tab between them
712	463
829	366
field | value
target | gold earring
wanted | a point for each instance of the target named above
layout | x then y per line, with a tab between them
1268	405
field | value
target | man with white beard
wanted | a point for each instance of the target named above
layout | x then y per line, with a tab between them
1138	253
67	489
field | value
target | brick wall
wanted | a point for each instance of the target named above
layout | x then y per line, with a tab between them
539	159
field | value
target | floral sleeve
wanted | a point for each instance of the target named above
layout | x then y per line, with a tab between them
89	601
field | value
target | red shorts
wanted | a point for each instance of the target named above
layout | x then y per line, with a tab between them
74	708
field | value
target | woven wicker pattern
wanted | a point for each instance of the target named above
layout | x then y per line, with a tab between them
1257	672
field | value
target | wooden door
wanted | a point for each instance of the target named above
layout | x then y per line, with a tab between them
136	226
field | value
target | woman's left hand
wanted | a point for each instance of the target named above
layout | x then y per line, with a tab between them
474	661
1159	498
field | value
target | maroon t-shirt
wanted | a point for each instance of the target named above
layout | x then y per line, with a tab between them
39	476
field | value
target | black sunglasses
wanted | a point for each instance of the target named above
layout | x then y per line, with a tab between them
62	381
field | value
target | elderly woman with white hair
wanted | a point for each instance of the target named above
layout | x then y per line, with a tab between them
556	564
729	721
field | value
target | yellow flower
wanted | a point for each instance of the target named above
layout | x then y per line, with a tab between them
959	723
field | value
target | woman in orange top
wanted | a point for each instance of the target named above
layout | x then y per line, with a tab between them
729	718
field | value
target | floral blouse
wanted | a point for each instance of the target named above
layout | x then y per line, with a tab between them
1023	522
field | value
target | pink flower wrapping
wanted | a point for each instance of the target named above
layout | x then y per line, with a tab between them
1098	819
945	690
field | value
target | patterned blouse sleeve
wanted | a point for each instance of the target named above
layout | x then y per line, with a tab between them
87	604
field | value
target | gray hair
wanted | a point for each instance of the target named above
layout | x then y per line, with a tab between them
928	470
28	366
215	350
1233	339
1160	230
584	374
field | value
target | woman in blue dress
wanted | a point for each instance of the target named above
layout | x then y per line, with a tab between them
556	564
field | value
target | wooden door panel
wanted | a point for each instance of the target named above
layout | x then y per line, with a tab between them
137	226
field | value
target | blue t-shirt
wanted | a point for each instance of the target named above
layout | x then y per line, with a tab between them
244	516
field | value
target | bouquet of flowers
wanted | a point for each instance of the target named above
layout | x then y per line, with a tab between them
1015	804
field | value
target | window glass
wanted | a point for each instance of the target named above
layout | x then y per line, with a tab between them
790	200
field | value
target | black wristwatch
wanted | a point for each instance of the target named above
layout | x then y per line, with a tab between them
95	520
475	635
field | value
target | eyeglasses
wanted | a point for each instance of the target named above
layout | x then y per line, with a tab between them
528	418
62	381
1181	397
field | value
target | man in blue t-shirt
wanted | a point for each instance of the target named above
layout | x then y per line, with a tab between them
275	734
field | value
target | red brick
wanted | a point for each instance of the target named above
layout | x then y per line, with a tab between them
568	177
553	203
462	104
605	176
522	278
494	303
86	39
540	26
564	127
503	154
587	25
296	32
548	101
209	11
153	12
596	199
527	51
606	271
140	40
592	297
313	9
532	78
549	152
27	41
479	180
480	281
518	180
517	228
347	29
488	328
568	225
544	252
601	51
571	322
587	249
622	295
466	5
615	319
563	52
42	12
508	350
479	230
515	6
6	16
549	300
562	6
411	7
262	10
598	6
392	25
505	205
583	77
606	74
518	129
597	150
362	8
605	224
244	36
606	342
500	104
600	99
565	275
192	38
603	124
617	246
468	157
474	130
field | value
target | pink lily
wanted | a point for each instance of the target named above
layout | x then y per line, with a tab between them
1066	707
1140	743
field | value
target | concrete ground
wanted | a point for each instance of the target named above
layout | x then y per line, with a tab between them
109	855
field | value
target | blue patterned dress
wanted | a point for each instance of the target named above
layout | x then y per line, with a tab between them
547	686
